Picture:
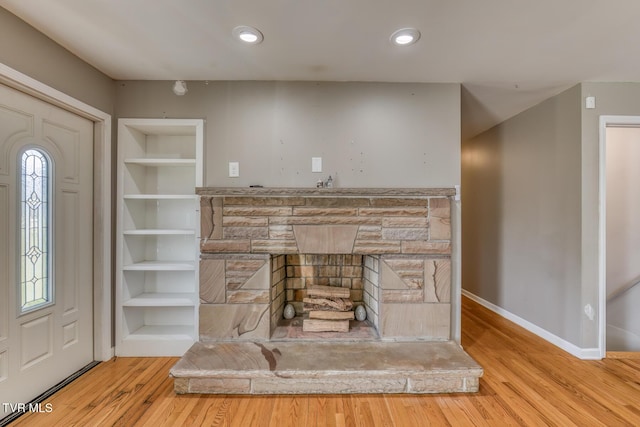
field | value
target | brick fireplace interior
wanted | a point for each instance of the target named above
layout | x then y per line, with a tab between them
339	270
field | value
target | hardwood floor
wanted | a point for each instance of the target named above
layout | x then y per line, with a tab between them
527	382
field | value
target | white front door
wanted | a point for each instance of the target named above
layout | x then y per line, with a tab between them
46	241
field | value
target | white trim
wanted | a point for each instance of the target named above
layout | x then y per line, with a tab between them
602	236
456	268
605	121
581	353
102	348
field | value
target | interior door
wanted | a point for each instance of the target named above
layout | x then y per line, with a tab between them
46	275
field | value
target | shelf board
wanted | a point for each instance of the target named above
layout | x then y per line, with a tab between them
163	127
160	161
160	196
159	232
161	266
162	332
157	299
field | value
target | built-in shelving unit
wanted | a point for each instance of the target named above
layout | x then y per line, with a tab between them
159	167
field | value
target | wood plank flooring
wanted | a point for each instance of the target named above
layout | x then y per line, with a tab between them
527	382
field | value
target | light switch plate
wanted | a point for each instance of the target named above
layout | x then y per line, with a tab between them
316	164
234	169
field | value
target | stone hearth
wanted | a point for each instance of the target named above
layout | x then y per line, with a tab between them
261	248
326	367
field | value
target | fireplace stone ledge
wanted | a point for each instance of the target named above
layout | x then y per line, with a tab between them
326	368
325	192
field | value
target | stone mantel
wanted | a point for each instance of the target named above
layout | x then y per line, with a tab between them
325	192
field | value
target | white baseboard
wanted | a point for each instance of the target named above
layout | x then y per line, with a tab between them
581	353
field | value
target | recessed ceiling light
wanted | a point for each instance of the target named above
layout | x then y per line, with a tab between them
247	34
405	36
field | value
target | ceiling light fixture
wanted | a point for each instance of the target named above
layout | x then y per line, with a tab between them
180	87
247	34
405	36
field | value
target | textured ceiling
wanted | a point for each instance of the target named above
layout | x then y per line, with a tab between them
509	55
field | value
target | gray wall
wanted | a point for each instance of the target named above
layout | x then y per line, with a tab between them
368	134
30	52
521	215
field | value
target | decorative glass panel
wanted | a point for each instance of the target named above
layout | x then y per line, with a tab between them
35	224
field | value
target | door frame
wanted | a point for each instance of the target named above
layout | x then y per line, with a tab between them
102	259
605	121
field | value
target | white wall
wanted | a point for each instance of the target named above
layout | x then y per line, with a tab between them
623	237
369	134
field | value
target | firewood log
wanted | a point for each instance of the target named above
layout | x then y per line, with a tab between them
337	304
328	292
315	325
331	315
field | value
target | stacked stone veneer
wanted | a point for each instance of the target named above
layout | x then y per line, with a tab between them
254	241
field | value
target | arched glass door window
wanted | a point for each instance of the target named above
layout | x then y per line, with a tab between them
35	230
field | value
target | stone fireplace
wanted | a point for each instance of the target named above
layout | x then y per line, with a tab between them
262	248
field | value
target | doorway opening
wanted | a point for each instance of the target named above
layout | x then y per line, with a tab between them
620	235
